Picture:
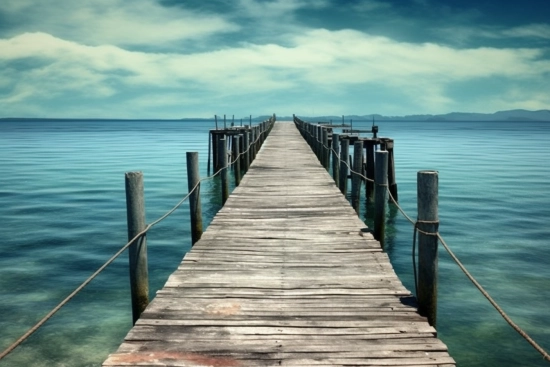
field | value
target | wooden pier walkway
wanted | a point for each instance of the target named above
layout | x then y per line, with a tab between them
283	276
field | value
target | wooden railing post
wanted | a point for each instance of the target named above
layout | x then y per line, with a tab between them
222	159
369	185
137	252
195	208
236	159
391	169
336	158
428	222
344	169
381	195
246	147
355	178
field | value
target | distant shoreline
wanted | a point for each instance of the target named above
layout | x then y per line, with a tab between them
500	116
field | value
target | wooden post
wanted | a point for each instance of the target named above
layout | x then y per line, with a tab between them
324	148
195	209
344	170
355	178
391	169
137	252
336	158
209	151
222	159
381	196
246	137
428	222
370	145
224	123
215	142
237	159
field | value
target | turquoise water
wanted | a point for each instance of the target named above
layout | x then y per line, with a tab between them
63	213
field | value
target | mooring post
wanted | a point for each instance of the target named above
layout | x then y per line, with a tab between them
246	147
137	252
355	178
222	159
381	195
209	151
428	225
195	208
254	142
237	159
324	148
370	147
344	169
391	169
336	158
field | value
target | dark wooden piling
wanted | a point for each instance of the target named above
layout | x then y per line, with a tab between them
237	159
222	160
381	195
137	252
370	145
344	169
195	208
428	225
336	158
246	138
325	148
392	184
355	178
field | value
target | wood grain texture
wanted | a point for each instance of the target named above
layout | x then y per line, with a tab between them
283	276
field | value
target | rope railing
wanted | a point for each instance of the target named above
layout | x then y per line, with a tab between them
498	308
50	314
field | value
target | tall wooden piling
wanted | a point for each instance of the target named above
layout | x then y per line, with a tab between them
195	208
344	169
370	145
237	159
336	158
324	148
222	159
381	195
391	169
355	178
246	147
428	225
137	252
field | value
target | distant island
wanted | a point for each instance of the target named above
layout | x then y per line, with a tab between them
511	115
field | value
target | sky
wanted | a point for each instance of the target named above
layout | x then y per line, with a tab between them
197	58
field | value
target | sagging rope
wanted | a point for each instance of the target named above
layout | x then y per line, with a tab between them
49	315
499	309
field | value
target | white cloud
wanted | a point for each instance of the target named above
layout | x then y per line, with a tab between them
529	31
116	22
278	8
319	60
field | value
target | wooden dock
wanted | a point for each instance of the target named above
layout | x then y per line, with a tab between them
285	275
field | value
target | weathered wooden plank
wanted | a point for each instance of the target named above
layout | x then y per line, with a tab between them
285	275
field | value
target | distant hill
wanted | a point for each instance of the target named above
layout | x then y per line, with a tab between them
511	115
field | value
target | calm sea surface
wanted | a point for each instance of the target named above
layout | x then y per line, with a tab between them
63	214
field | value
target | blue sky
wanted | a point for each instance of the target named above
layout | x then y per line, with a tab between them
197	58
